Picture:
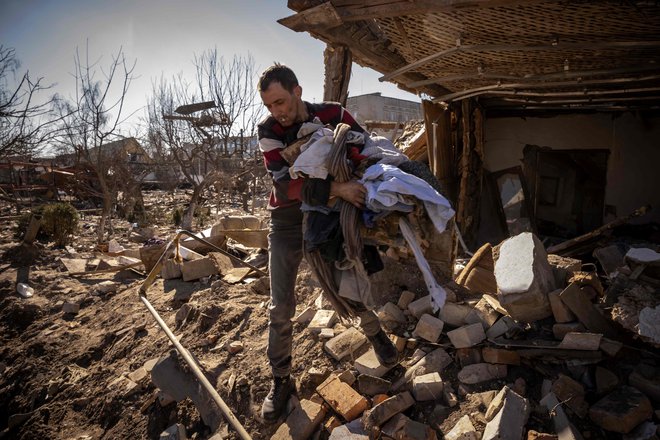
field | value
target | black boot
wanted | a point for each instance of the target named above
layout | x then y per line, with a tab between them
275	402
386	352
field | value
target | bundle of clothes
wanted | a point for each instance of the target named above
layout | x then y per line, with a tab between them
332	241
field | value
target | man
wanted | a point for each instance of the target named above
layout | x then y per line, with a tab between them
282	96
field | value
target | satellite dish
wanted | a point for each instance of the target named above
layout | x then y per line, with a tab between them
192	108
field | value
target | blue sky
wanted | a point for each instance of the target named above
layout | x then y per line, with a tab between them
163	36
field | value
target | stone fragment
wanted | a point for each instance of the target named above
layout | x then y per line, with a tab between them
621	410
610	347
572	393
467	336
403	427
322	319
236	275
171	269
372	385
483	372
199	268
606	381
524	278
435	361
428	328
560	330
174	432
235	347
385	410
305	316
350	431
579	303
503	325
343	399
347	377
107	287
649	323
420	306
345	343
454	314
71	307
500	356
138	375
563	268
405	299
535	435
427	387
399	342
301	422
462	430
563	427
560	312
390	312
510	421
646	378
468	356
368	364
482	313
580	341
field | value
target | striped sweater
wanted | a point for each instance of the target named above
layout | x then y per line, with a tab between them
273	137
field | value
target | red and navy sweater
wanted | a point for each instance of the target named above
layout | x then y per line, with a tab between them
273	137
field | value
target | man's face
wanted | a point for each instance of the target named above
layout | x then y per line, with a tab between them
285	106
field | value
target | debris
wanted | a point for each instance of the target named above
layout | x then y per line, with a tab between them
421	306
510	421
322	319
345	343
454	314
403	427
427	387
24	290
477	373
574	297
462	430
372	385
342	398
174	432
621	410
387	409
199	268
301	422
429	328
405	299
524	278
369	364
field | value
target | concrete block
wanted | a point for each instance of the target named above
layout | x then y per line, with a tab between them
405	299
467	336
372	385
560	330
403	427
454	314
510	421
429	328
435	361
387	409
420	306
503	325
322	319
369	364
560	312
581	341
483	372
621	410
427	387
572	393
345	343
468	356
171	270
199	268
579	303
500	356
482	313
347	377
524	278
607	381
390	312
350	431
301	422
462	430
326	333
343	399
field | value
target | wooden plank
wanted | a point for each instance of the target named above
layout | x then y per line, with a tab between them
587	314
438	140
322	16
338	61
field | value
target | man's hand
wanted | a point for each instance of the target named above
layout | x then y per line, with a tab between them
352	191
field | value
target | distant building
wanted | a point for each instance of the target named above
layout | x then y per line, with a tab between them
383	114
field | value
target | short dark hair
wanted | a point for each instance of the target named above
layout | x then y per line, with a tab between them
278	73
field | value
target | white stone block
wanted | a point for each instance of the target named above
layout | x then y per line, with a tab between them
467	336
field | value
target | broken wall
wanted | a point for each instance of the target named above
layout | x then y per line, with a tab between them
633	142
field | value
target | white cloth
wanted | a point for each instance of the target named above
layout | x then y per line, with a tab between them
313	158
383	149
388	186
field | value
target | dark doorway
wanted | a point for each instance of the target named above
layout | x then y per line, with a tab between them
567	189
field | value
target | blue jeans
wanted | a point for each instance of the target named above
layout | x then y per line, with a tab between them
285	247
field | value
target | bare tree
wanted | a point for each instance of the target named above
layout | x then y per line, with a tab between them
204	147
27	120
92	121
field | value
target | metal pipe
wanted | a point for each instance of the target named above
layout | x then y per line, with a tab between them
231	418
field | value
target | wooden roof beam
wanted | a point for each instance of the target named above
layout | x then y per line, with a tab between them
457	96
628	45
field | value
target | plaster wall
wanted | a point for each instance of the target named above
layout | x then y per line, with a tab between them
633	169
